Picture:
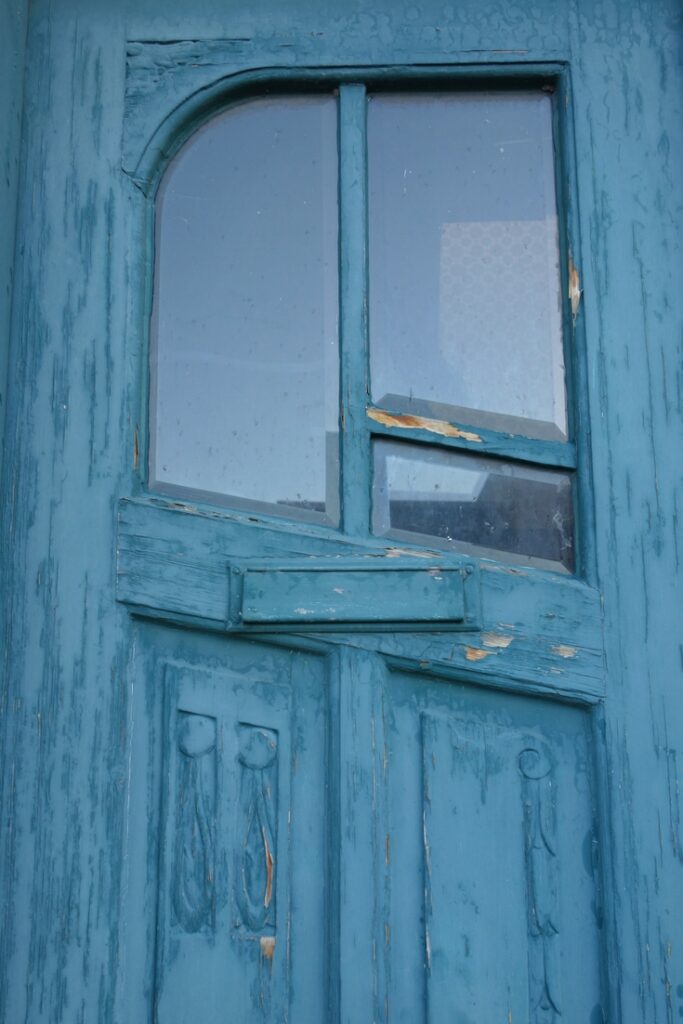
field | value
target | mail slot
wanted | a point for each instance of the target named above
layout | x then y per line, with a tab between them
325	593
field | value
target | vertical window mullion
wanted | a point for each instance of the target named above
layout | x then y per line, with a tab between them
353	288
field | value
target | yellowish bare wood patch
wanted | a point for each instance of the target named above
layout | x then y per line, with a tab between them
564	651
476	654
496	640
574	288
407	422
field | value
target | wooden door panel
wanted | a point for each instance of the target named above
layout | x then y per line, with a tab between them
240	792
486	838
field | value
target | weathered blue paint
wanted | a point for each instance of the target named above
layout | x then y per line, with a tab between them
13	24
362	591
398	778
225	79
353	273
536	627
466	436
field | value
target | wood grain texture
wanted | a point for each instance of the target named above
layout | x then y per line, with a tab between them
13	25
633	308
82	720
66	697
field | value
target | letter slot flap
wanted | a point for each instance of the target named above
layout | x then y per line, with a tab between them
331	593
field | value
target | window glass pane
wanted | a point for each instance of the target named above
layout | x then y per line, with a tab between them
245	362
465	308
473	502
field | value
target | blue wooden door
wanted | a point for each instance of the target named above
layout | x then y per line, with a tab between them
348	822
341	674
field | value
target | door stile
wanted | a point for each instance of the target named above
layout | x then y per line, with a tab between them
363	945
603	864
334	836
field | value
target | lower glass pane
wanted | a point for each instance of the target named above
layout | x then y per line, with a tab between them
452	498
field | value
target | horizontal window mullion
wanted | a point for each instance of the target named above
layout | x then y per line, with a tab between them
478	440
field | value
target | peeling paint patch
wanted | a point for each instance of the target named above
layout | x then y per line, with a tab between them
496	640
508	570
269	870
574	292
564	651
401	552
407	422
476	654
267	943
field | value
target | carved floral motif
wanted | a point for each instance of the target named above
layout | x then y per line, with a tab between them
540	850
257	830
193	874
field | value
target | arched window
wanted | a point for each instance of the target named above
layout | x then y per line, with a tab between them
387	262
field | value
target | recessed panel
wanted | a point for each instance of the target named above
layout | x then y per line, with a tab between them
242	836
487	830
244	390
360	593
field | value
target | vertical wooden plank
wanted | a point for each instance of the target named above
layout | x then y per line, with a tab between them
355	456
475	930
334	836
629	113
65	749
13	24
362	993
576	376
309	914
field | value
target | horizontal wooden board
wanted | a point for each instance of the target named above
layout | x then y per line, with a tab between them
540	629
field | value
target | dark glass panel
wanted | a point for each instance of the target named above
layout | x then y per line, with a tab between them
459	499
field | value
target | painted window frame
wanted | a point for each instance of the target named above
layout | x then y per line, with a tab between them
361	420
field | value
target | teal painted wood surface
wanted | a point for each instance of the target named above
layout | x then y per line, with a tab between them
352	594
303	827
353	274
13	25
470	438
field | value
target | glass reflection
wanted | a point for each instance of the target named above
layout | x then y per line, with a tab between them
465	305
475	502
244	389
